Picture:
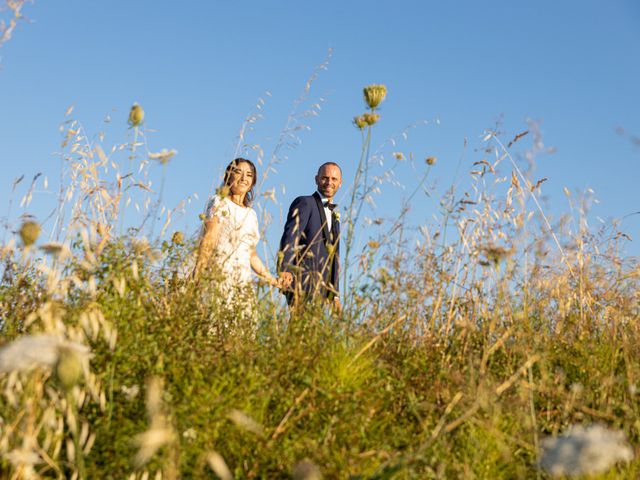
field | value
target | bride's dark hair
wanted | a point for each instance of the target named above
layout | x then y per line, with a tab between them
226	182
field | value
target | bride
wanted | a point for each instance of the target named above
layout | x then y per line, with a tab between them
230	236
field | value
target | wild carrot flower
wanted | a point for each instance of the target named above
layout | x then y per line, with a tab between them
359	121
371	118
584	451
37	350
374	95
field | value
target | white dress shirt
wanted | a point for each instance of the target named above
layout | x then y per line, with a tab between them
327	212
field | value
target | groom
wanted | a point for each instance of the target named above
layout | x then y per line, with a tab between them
310	245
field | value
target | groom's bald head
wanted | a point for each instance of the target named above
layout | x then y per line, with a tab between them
326	164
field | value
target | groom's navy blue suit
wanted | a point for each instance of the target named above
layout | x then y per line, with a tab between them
309	250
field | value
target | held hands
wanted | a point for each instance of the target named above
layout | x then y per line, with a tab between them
283	282
285	279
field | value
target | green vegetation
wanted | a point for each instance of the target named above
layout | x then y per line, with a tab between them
453	358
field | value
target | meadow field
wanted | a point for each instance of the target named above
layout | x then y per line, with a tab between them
463	350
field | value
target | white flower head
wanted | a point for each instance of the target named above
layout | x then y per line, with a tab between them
584	451
39	350
130	392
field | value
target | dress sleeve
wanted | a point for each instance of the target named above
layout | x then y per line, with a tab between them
215	208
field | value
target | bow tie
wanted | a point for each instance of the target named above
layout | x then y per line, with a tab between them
329	205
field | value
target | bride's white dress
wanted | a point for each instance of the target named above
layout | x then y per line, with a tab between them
239	235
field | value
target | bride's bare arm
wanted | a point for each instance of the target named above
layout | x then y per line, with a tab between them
208	243
261	270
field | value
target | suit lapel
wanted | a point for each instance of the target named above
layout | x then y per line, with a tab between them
323	217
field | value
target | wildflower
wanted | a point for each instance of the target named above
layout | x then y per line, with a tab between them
130	392
359	121
37	350
136	115
584	451
371	118
431	160
163	156
374	95
29	232
178	238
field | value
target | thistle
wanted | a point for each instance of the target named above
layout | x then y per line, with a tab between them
374	95
136	115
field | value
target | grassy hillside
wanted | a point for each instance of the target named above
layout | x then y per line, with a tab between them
461	347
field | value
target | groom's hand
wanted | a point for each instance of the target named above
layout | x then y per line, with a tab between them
286	279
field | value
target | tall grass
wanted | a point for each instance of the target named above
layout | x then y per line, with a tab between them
462	345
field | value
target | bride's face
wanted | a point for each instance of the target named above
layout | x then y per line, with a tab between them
241	179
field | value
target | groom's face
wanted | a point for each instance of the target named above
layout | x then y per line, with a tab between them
329	180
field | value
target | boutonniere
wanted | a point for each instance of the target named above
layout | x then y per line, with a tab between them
336	215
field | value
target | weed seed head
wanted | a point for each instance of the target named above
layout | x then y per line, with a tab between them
29	232
374	95
68	368
136	115
178	238
163	156
431	160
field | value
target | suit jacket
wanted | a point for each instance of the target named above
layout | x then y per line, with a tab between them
309	250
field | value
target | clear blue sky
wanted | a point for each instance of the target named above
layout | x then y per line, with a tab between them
198	68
